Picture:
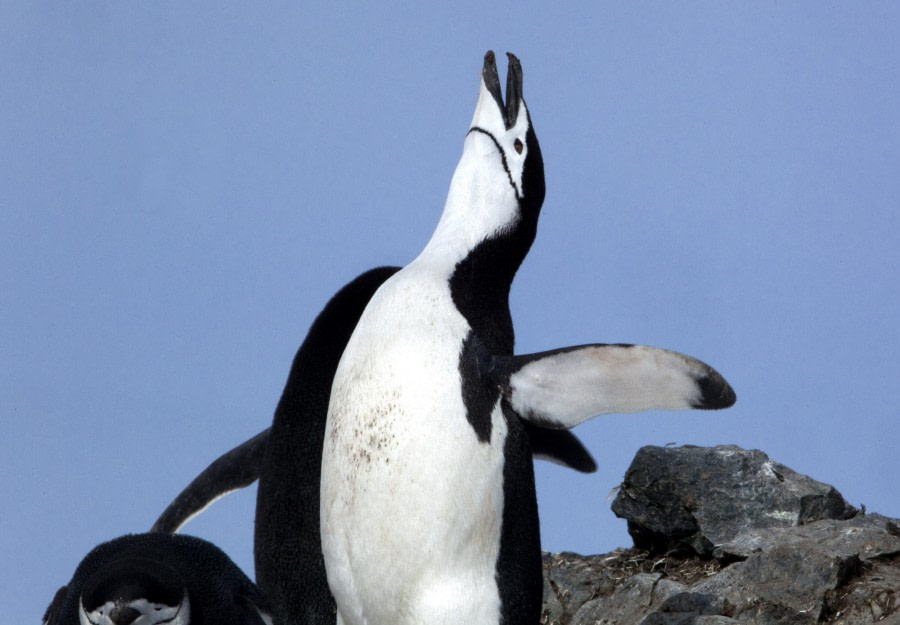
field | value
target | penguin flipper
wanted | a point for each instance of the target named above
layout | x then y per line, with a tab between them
564	387
231	471
560	447
51	614
240	467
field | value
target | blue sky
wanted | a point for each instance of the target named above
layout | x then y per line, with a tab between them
183	187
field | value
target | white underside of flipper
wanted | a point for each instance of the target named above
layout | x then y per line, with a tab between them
565	388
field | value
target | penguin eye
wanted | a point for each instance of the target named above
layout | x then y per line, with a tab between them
518	146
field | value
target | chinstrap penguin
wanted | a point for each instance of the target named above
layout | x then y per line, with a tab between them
286	459
156	579
428	507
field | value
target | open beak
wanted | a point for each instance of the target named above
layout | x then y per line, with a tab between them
510	110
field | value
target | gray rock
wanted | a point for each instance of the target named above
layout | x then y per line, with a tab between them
570	580
699	603
636	597
680	618
553	611
692	608
578	582
699	497
795	582
792	579
752	542
865	535
873	597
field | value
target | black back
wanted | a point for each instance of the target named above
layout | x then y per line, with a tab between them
290	567
161	568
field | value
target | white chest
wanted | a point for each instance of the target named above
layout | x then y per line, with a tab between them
411	500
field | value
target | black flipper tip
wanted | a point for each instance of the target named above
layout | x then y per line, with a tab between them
715	392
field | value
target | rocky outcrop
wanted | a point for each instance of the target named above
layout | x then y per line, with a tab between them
725	535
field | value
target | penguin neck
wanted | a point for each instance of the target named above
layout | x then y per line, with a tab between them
480	283
482	204
482	238
478	268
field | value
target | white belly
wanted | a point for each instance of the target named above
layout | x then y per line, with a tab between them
411	501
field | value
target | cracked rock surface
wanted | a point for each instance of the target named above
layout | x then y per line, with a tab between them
725	535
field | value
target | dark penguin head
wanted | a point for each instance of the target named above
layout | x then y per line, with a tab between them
150	579
498	186
134	589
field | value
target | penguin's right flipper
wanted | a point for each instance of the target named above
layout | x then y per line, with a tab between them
231	471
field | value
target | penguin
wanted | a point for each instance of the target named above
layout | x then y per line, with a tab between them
428	505
150	579
286	459
287	549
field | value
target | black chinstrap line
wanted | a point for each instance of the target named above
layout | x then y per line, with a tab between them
502	157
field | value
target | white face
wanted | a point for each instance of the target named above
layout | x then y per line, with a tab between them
489	128
487	188
150	613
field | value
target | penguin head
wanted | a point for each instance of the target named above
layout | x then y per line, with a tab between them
150	579
132	591
498	186
505	130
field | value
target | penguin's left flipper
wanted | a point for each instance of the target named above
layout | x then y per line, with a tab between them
560	447
233	470
564	387
240	467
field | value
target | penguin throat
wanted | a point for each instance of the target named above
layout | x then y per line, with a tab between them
480	285
503	161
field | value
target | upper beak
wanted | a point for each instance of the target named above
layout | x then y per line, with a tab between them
510	110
